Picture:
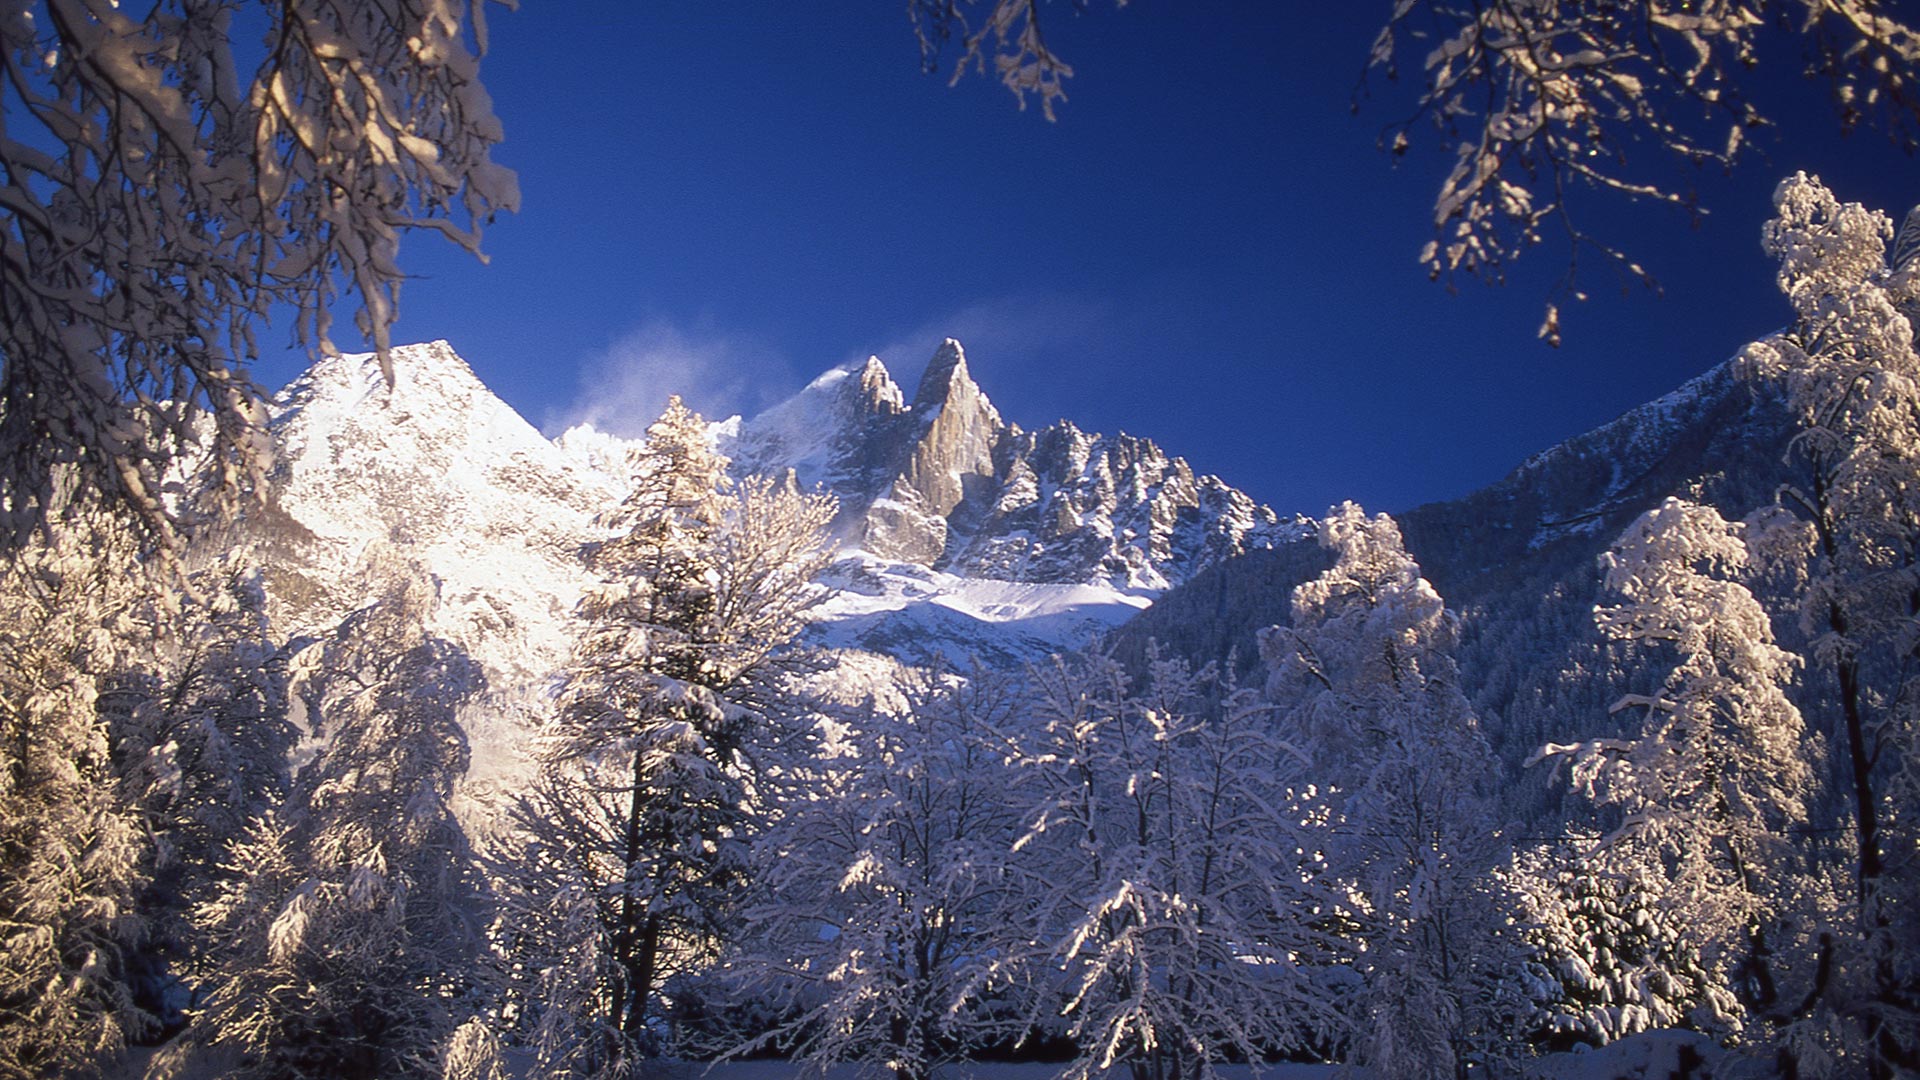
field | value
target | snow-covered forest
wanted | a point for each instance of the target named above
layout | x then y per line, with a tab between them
360	731
240	825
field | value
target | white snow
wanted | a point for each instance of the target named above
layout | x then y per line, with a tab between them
437	470
914	612
1652	1055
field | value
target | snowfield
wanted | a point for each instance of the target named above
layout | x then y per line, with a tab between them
914	613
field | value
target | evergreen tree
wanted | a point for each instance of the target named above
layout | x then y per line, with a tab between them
205	738
348	926
647	796
74	856
1606	956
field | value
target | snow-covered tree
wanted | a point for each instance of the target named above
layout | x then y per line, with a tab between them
647	793
473	1053
1851	375
200	730
348	928
1169	894
74	856
882	886
170	182
1605	956
1368	690
221	700
1718	772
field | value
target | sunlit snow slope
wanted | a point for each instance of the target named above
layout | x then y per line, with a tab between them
436	476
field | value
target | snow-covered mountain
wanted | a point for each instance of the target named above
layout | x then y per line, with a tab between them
967	535
964	535
433	476
943	482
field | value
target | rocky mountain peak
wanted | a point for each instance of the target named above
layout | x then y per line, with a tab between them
949	461
877	390
946	379
948	484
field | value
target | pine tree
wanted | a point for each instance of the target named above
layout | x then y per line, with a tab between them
1709	786
349	926
1607	957
647	796
204	738
73	854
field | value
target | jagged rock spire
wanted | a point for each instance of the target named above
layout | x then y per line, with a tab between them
945	372
946	482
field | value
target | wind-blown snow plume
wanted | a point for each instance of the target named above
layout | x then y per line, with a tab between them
715	372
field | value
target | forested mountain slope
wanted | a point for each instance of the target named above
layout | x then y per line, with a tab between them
1518	561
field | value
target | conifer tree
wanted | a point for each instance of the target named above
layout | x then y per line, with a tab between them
204	738
1605	956
647	796
349	926
1718	772
73	854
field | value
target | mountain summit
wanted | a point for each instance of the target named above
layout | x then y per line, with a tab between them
944	482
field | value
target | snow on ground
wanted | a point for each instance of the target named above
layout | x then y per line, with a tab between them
913	613
1652	1055
966	1070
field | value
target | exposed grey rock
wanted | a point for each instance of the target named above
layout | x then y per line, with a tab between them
945	482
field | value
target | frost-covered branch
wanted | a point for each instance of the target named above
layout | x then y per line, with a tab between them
1541	99
161	200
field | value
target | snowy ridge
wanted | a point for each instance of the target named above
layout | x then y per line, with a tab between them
1631	445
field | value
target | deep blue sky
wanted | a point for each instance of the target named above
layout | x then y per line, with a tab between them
1205	249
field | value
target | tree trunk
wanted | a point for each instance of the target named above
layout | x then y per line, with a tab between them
1885	1048
898	1034
644	970
623	934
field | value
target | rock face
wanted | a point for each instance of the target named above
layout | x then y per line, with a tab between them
944	482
